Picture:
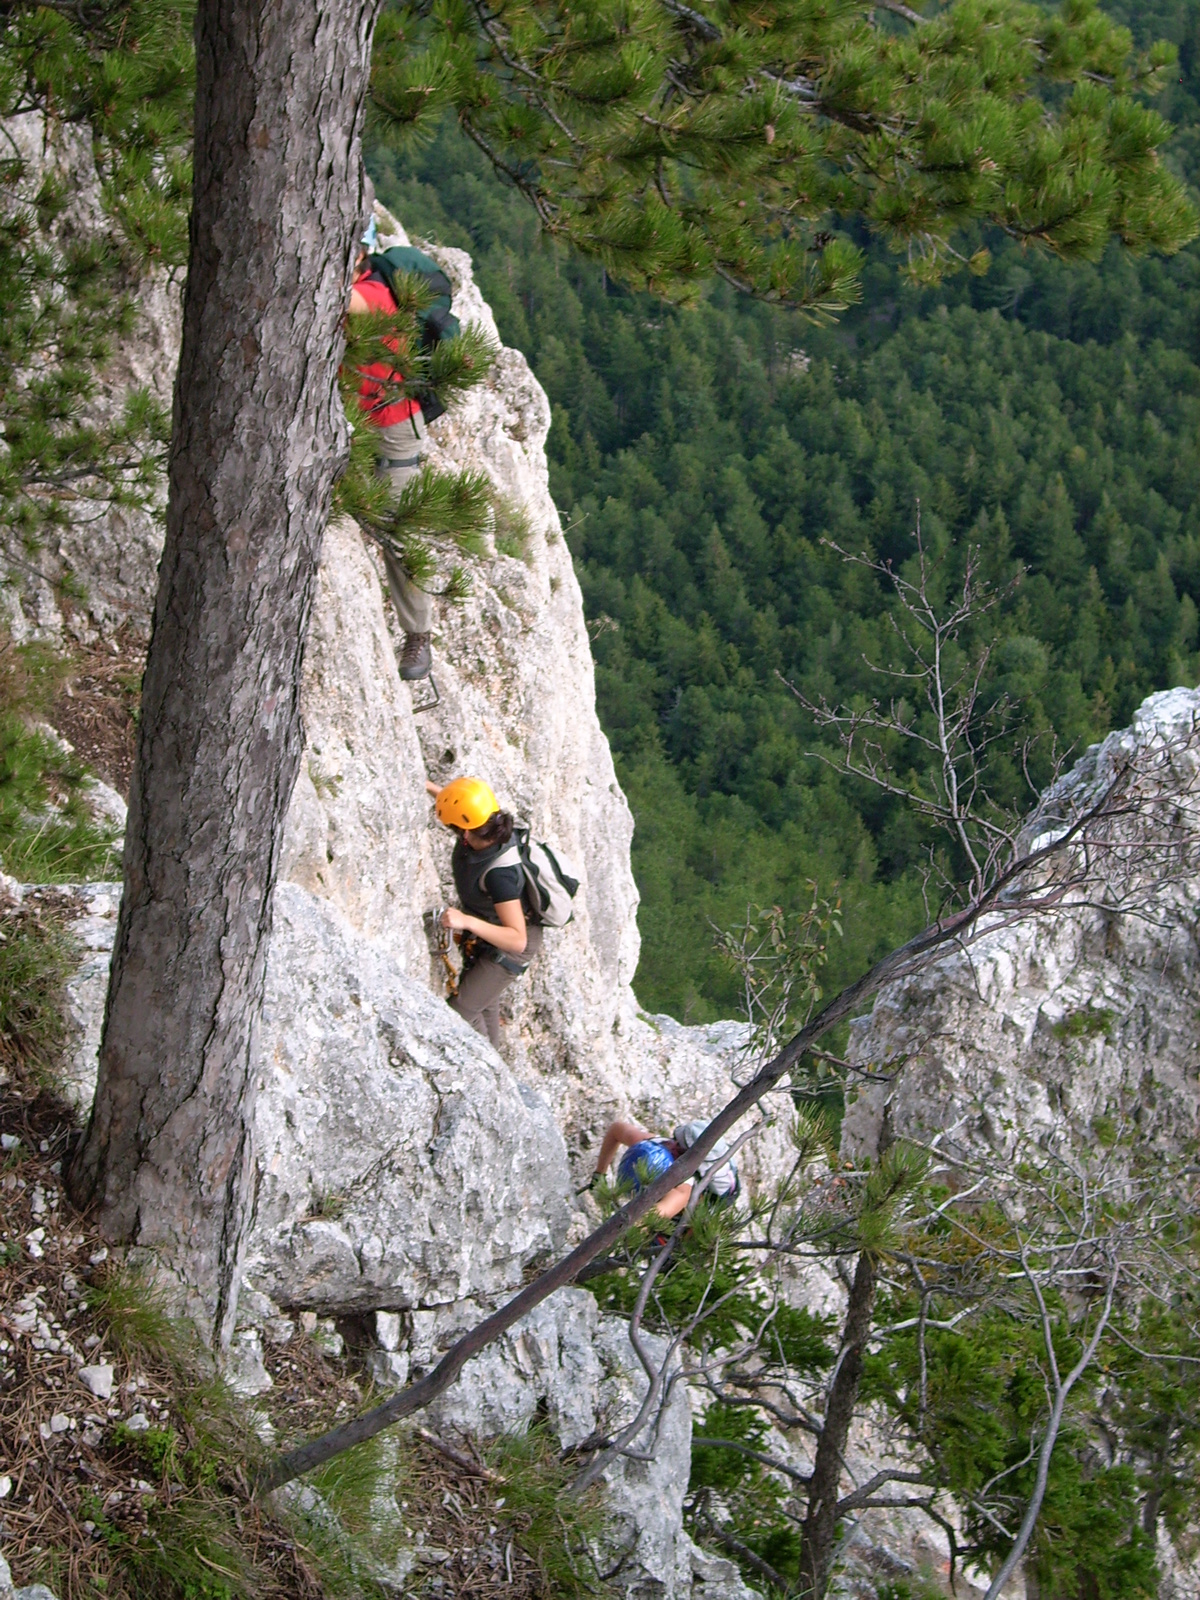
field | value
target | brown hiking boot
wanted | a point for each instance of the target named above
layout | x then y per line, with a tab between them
416	659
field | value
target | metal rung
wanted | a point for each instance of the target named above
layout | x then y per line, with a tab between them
429	703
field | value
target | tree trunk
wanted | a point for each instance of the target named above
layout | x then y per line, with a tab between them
259	439
819	1537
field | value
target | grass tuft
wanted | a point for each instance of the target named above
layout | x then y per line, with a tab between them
37	956
47	833
137	1322
188	1553
512	528
349	1483
1092	1022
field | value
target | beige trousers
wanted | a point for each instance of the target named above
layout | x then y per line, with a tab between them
400	449
478	997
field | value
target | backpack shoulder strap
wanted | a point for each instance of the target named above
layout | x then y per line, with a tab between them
535	894
510	856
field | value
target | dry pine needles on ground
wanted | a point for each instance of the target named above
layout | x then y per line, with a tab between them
95	708
98	1448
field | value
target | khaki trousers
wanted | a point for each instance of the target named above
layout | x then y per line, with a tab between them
400	449
478	997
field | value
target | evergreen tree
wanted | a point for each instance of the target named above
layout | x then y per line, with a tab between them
116	78
675	142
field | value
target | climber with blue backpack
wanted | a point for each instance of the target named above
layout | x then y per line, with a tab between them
399	419
509	888
647	1157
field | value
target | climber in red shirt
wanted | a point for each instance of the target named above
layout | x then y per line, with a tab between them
400	437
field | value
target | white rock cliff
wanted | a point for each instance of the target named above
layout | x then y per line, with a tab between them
1084	1019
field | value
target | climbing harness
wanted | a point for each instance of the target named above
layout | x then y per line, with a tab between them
444	937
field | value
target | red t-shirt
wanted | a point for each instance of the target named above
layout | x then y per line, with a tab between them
372	391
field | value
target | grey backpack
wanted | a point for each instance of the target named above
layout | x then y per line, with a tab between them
551	881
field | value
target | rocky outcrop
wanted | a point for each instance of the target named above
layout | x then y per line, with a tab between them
400	1165
407	1173
518	706
1083	1019
514	671
1079	1024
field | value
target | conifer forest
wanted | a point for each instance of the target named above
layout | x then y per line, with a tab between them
700	457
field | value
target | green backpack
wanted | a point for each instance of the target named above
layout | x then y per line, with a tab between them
437	321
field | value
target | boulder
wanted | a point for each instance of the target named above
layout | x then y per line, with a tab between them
401	1162
32	1591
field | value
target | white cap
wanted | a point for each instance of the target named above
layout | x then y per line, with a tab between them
687	1133
725	1181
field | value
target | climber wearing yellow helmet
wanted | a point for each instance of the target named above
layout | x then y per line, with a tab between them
497	941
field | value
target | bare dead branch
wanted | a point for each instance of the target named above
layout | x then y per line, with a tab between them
1062	1389
862	1497
706	1443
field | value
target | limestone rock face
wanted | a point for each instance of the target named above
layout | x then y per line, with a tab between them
404	1168
514	670
358	826
1080	1016
401	1165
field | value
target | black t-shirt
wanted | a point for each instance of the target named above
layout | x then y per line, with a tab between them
479	888
504	883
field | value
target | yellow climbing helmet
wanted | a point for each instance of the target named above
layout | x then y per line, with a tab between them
466	803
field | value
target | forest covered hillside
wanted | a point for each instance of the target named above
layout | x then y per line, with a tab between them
1048	414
